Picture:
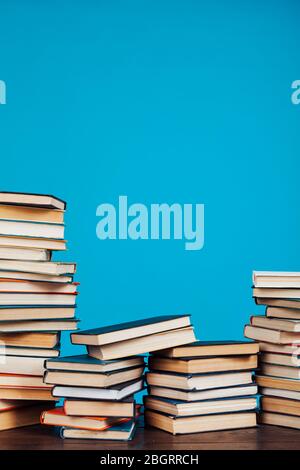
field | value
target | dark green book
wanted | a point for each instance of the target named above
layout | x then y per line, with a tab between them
121	432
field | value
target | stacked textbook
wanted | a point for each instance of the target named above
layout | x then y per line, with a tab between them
203	386
37	302
278	333
99	387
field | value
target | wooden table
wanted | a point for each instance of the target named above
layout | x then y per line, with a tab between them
261	438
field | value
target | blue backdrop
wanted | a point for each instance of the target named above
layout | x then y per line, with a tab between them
163	101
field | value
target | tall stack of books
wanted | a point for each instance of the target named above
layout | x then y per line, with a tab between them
37	302
99	387
278	333
204	386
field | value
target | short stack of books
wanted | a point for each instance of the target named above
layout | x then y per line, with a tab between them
99	387
37	302
278	333
204	386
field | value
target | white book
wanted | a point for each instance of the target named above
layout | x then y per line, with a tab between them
36	287
274	392
31	242
22	365
31	229
113	393
281	279
18	275
47	267
20	298
24	254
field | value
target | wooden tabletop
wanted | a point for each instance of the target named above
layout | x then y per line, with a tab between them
262	438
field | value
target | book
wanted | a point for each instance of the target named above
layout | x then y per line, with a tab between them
32	352
279	279
47	267
21	276
62	324
211	394
281	405
283	312
35	287
197	408
85	363
58	417
35	313
278	383
117	392
22	416
210	348
26	254
33	200
271	336
26	393
31	229
120	432
198	382
278	419
142	345
276	293
280	348
29	339
18	380
203	365
31	214
121	408
275	392
188	425
92	379
284	303
33	242
276	323
280	371
130	330
281	359
22	365
36	299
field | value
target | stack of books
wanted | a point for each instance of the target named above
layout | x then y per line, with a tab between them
37	302
204	386
99	387
278	333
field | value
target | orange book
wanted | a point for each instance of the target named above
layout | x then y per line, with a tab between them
58	417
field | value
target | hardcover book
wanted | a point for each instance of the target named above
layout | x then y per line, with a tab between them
92	379
141	345
210	394
204	407
122	408
128	330
188	425
117	392
85	363
121	432
32	200
203	365
58	417
210	348
198	381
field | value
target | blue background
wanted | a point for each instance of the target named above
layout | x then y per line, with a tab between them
163	101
